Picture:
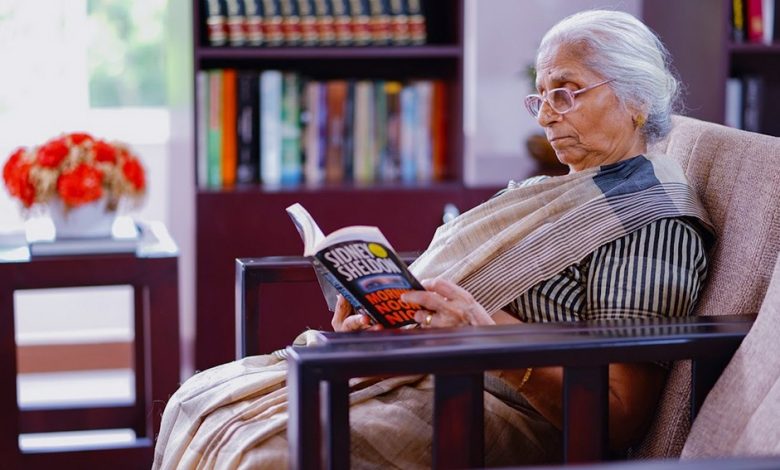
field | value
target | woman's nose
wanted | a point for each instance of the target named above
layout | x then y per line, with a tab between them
547	115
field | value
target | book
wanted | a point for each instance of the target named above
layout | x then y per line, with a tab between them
248	127
309	33
292	165
215	129
273	35
228	154
271	127
734	94
253	9
291	23
216	11
326	28
202	111
236	20
754	21
360	264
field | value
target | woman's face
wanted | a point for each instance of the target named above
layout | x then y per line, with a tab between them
598	130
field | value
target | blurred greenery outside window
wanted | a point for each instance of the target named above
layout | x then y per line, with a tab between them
125	54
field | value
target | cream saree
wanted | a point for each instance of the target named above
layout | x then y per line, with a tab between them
235	415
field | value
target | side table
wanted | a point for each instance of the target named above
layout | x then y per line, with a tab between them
152	273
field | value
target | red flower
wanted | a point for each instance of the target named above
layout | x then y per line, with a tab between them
134	173
16	174
78	137
104	152
81	185
52	153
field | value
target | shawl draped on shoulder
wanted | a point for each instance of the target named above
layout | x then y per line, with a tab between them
235	415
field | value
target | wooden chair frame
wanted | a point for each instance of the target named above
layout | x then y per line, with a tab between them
458	358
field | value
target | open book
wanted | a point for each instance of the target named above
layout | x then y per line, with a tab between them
358	263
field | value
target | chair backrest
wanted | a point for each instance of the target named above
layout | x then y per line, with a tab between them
737	176
741	414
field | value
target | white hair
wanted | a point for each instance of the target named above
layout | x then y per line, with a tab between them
616	45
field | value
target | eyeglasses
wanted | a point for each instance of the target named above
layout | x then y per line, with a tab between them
561	100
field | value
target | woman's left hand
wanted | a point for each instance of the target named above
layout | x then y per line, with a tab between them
444	304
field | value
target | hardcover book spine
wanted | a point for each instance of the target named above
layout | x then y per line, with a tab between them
380	22
379	139
417	26
270	122
272	23
291	23
326	29
349	130
408	133
363	156
399	23
248	127
216	25
309	30
342	20
236	17
361	22
254	22
423	157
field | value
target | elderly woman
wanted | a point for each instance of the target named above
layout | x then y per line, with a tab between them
621	236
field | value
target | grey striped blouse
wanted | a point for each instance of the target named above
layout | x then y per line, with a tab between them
656	271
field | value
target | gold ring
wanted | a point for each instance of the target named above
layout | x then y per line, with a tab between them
428	319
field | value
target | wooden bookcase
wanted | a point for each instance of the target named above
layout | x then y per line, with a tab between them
698	35
250	221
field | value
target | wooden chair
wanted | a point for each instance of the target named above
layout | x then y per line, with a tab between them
737	175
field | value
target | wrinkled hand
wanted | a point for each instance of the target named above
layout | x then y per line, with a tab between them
345	320
447	304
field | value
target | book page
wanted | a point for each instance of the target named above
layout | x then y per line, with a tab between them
364	233
308	229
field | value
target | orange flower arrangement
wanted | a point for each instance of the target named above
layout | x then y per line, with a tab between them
77	168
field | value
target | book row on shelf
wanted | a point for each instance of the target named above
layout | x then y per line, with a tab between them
744	99
281	128
754	21
275	23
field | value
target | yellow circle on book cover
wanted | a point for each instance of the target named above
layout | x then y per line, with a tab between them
378	250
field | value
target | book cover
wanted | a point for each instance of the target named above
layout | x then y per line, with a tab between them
247	127
359	263
423	156
271	127
408	134
753	102
348	159
229	128
737	21
216	25
733	114
215	129
253	11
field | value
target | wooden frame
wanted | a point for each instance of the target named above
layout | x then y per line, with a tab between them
155	355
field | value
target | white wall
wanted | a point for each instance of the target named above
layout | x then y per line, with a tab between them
501	41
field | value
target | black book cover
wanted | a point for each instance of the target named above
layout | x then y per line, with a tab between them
248	127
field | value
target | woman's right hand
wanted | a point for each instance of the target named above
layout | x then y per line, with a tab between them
345	319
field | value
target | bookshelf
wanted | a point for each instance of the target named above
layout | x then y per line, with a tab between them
699	37
248	220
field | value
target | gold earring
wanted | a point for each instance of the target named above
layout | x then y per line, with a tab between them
639	121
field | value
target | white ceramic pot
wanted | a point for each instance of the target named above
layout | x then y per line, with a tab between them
92	220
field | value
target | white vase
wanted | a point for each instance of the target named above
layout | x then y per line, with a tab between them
92	220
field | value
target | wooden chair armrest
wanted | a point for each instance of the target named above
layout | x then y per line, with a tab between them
459	357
